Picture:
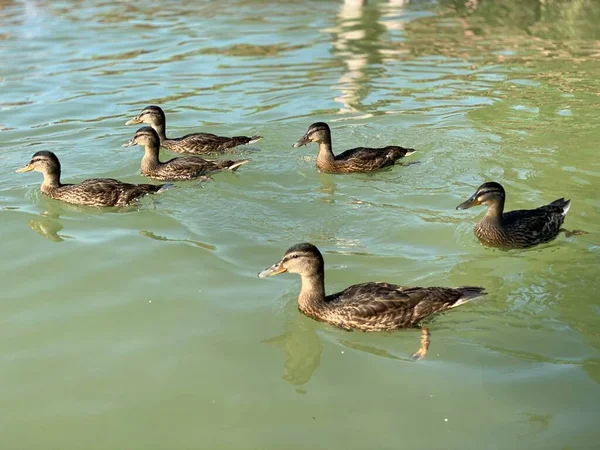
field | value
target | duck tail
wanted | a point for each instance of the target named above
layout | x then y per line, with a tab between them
236	164
165	187
395	151
563	204
468	293
254	139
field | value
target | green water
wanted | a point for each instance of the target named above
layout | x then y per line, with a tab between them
147	328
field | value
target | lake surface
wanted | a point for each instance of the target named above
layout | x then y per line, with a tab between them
147	328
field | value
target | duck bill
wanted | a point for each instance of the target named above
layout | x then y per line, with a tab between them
275	269
472	201
129	143
301	142
27	168
133	121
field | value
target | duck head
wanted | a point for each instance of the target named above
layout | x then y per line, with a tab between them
304	259
318	132
487	194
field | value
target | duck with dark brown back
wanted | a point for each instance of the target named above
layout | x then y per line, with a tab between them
355	160
194	143
367	306
92	192
522	228
182	168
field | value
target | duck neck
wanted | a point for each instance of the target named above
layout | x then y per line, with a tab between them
161	129
51	180
312	293
494	212
326	156
150	160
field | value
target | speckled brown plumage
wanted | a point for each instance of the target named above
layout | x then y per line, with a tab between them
515	229
183	168
92	192
384	306
206	143
194	143
367	306
360	159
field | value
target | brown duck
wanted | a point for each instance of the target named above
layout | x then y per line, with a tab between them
515	229
360	159
367	306
92	192
195	143
183	168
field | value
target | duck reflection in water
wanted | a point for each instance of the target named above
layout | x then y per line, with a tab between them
303	348
48	225
156	237
371	306
327	188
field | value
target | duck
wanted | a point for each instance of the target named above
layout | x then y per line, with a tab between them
195	143
522	228
371	306
355	160
92	192
182	168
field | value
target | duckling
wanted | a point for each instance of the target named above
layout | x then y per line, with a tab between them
515	229
368	306
183	168
92	192
195	143
360	159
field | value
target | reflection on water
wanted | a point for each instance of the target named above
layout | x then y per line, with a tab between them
327	188
149	323
156	237
302	348
361	347
48	226
361	39
544	19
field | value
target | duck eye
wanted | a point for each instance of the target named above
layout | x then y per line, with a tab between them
294	256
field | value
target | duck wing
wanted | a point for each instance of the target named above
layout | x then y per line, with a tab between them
384	306
187	167
204	143
537	225
367	159
103	192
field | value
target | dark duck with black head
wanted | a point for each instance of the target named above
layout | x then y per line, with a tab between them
515	229
183	168
360	159
92	192
194	143
367	306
